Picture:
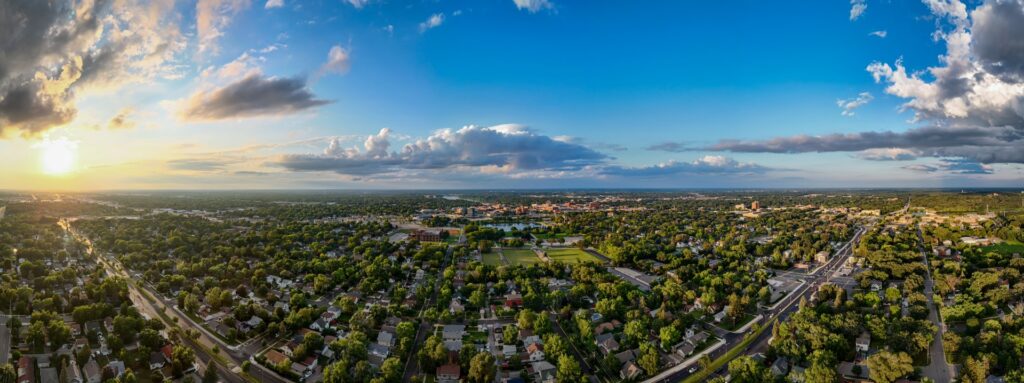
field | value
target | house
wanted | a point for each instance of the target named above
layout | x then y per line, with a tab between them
429	235
626	356
92	372
508	350
535	352
156	361
115	368
630	371
456	307
780	367
275	358
863	342
607	344
513	300
386	339
544	372
719	316
453	332
320	324
48	375
821	257
448	373
377	354
26	370
74	374
532	339
683	348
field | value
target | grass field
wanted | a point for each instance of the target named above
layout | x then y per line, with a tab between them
571	255
1006	248
524	257
492	259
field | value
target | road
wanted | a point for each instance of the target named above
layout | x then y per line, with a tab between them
781	312
229	371
412	365
5	341
938	369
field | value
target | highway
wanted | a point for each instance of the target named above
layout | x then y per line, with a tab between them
814	281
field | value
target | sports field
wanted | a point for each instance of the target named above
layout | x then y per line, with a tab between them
1005	248
492	259
523	257
571	255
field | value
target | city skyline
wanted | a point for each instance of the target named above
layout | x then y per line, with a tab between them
525	94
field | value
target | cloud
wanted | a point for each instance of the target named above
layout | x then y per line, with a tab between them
533	6
122	120
212	16
997	39
669	146
952	166
850	104
857	8
199	165
56	50
274	4
253	95
502	148
970	106
706	165
879	34
358	4
337	61
433	21
889	154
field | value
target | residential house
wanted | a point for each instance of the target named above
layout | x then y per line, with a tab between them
630	371
448	373
863	342
453	332
92	372
544	372
26	370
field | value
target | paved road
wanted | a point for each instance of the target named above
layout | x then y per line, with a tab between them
938	369
782	312
228	372
5	341
412	364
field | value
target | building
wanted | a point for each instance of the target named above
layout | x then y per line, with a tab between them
428	235
453	332
755	205
863	342
448	373
26	370
544	372
821	257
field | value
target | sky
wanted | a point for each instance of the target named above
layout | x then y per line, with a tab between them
482	94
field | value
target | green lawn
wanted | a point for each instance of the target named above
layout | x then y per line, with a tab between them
1005	248
521	256
492	259
571	255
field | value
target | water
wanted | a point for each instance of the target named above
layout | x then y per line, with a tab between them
510	226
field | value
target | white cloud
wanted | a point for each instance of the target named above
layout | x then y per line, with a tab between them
850	104
358	4
338	61
533	6
879	34
433	21
212	16
274	4
889	154
857	8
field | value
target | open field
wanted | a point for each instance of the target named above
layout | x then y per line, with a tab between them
1006	248
492	259
524	257
571	255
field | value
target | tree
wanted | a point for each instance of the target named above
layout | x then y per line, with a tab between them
482	368
7	373
526	319
509	334
669	336
554	346
391	370
648	358
975	370
745	369
210	375
568	369
181	359
886	367
336	373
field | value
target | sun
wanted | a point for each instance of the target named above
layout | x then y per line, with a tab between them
57	155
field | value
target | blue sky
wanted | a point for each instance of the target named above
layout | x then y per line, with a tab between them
607	85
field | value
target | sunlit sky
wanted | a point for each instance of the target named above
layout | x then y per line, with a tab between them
375	94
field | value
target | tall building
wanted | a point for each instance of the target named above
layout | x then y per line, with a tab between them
755	205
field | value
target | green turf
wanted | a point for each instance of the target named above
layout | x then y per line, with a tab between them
571	255
492	259
521	256
1005	248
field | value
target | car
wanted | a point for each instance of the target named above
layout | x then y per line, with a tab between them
692	370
